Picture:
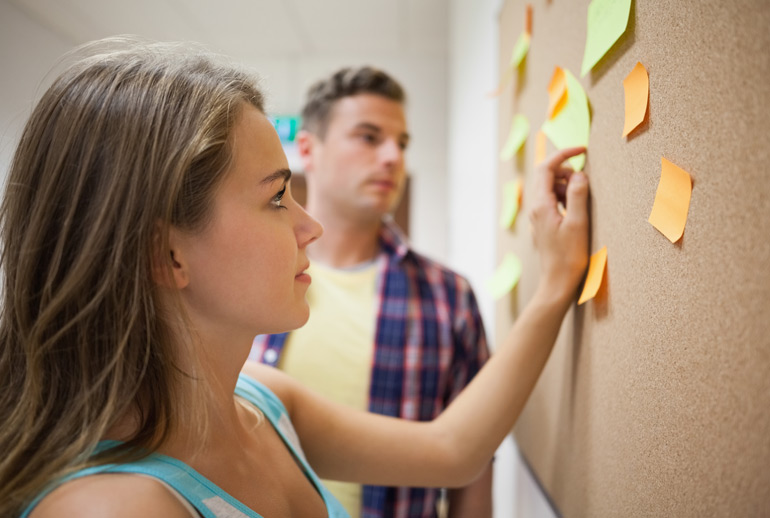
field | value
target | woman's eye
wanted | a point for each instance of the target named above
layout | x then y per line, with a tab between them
277	200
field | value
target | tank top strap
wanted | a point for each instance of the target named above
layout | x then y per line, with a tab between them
264	399
203	495
208	499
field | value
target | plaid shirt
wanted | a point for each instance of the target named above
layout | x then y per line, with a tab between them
429	343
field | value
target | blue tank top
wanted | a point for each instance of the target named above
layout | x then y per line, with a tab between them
204	496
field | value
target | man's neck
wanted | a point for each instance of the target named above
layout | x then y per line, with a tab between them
346	242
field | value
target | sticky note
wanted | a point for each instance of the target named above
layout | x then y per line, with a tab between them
504	80
516	137
505	277
607	21
595	275
557	92
520	49
572	125
636	86
511	203
541	145
528	20
672	201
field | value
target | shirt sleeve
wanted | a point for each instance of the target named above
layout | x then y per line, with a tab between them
470	342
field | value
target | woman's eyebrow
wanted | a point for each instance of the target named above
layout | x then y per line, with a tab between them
281	174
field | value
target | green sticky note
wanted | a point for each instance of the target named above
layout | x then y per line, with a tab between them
516	137
572	124
510	206
520	49
607	21
505	277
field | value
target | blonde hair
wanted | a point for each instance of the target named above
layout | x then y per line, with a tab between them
130	139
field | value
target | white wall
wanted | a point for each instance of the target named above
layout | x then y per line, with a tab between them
453	156
27	51
424	77
473	205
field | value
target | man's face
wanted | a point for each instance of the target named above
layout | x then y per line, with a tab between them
358	168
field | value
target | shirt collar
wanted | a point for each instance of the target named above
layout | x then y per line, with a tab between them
392	239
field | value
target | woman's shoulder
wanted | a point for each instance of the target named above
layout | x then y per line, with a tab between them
279	383
111	495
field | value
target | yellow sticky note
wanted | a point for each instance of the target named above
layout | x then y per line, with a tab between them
511	203
595	275
572	125
505	277
557	92
672	201
520	49
516	137
636	86
607	21
541	145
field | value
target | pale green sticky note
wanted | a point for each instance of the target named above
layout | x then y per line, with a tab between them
572	124
516	137
510	206
520	49
607	21
505	277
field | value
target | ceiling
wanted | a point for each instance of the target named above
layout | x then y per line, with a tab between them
254	29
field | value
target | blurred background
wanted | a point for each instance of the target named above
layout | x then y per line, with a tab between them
444	52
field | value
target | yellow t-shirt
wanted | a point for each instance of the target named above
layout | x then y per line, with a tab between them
332	352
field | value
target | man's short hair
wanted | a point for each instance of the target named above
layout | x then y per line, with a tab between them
346	82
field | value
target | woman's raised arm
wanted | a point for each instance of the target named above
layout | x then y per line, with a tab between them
455	447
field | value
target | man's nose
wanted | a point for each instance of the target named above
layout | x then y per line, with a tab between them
391	152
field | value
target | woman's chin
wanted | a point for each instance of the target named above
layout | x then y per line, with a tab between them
289	324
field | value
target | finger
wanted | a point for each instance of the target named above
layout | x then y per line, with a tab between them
563	173
554	162
577	198
552	168
560	190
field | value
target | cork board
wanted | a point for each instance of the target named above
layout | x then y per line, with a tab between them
656	399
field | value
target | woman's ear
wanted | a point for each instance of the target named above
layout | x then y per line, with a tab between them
168	266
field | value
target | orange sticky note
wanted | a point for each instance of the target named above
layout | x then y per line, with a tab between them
504	80
541	141
672	201
595	275
557	92
528	20
637	88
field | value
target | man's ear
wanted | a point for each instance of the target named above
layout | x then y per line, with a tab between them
168	265
306	145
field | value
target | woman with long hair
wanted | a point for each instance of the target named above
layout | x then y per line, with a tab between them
148	234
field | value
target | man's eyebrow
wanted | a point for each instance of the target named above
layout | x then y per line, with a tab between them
368	126
281	174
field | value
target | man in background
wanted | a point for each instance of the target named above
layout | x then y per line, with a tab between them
390	331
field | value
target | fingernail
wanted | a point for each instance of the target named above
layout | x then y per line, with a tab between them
579	177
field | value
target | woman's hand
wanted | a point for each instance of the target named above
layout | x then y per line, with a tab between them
561	238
